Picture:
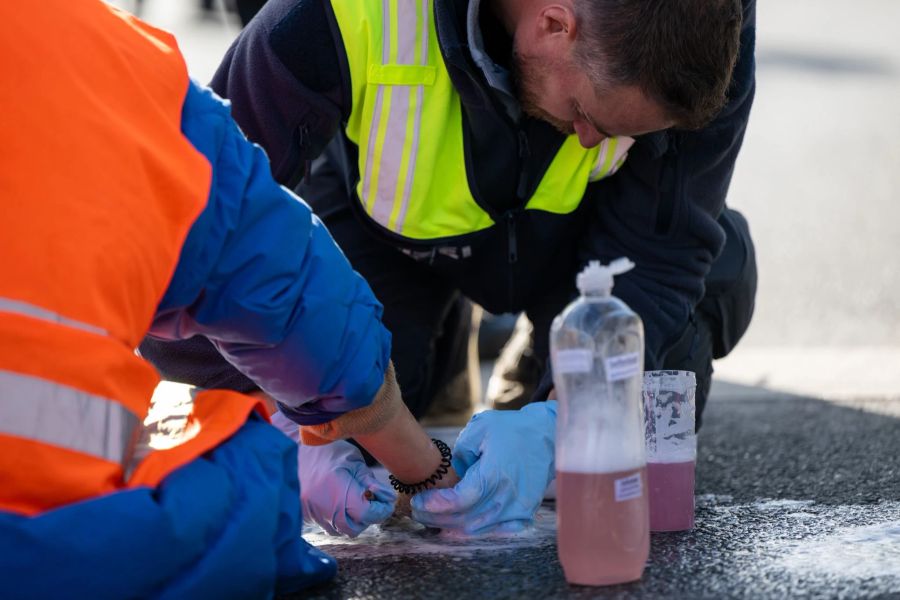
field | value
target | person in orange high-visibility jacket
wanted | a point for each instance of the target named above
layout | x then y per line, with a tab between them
132	204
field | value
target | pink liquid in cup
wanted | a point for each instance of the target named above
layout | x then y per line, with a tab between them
671	488
602	541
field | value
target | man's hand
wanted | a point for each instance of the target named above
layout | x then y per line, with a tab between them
338	491
505	459
402	507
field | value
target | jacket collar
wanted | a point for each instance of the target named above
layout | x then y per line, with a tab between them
477	77
498	78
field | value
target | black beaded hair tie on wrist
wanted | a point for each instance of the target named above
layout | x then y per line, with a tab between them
414	488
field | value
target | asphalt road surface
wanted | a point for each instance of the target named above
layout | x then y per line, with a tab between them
796	498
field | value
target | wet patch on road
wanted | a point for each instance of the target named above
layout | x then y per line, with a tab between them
785	547
871	551
408	537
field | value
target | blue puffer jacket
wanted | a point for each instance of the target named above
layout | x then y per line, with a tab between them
261	277
224	526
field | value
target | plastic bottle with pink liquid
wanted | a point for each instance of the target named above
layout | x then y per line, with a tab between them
597	353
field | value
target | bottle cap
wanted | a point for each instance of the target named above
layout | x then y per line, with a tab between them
597	278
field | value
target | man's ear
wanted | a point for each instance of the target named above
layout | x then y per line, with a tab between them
557	19
556	25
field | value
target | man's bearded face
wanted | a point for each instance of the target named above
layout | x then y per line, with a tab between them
529	75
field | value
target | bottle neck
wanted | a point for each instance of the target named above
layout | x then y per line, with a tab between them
595	295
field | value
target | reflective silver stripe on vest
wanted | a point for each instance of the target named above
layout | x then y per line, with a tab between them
611	156
379	99
417	124
391	153
29	310
55	414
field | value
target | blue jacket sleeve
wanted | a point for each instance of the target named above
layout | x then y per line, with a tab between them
660	210
261	277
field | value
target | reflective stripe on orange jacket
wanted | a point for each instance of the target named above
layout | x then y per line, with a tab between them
100	188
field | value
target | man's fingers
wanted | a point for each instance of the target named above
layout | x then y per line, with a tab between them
455	521
467	449
459	499
367	502
473	524
375	511
381	504
358	515
377	490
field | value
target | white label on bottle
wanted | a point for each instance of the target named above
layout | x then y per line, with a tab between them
629	487
573	361
622	366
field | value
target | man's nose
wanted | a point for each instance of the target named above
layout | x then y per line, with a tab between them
587	135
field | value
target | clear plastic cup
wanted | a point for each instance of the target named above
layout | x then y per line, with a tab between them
671	443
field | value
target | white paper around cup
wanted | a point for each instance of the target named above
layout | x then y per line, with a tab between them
669	416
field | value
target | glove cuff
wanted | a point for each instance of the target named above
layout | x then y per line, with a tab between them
361	421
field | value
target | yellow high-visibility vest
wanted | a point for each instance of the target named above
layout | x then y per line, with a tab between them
406	119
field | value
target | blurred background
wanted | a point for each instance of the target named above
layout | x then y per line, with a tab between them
818	178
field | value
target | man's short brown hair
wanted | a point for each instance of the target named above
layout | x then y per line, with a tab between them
679	52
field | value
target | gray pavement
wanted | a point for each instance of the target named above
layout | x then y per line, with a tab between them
796	498
798	476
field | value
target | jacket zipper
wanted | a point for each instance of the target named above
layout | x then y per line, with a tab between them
524	151
521	191
512	246
512	257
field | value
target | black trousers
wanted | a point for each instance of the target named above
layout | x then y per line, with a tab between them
428	319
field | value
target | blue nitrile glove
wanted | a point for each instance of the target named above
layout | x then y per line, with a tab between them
333	481
505	459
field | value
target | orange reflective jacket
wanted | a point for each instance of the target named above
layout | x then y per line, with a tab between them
99	189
